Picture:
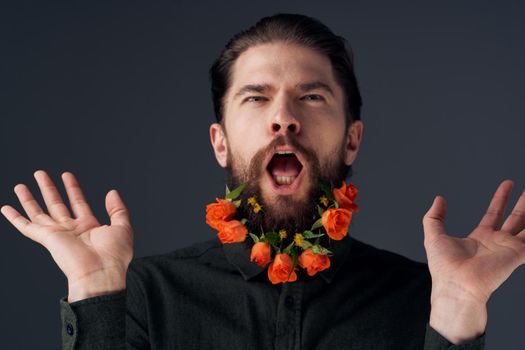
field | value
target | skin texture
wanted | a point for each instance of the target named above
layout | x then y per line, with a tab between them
465	271
315	118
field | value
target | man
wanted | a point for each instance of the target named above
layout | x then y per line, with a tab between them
288	118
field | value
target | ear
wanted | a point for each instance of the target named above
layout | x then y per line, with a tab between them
219	143
353	140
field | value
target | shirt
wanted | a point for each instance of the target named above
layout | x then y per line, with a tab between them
210	296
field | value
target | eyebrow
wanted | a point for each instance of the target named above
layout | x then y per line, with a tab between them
304	87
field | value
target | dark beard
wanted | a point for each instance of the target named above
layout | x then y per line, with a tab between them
302	214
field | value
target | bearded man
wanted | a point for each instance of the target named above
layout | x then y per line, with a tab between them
288	120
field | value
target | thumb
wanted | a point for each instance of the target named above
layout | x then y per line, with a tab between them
117	211
434	219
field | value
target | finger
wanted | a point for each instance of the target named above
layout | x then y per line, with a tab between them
497	206
515	222
55	205
117	211
31	206
76	198
434	219
26	227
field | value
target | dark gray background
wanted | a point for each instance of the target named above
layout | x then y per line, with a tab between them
118	93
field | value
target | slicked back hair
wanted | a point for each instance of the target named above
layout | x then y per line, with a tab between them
294	29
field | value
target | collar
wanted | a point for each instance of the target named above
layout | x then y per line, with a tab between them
238	254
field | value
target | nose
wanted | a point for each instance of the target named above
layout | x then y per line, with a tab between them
285	121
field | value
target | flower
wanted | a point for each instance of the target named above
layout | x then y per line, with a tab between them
324	200
256	208
260	253
232	231
220	212
345	196
336	208
336	222
280	268
298	239
312	262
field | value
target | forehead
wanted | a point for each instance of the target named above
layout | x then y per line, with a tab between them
280	64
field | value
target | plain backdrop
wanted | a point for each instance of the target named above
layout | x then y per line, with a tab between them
118	93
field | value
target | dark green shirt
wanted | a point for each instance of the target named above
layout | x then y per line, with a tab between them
210	296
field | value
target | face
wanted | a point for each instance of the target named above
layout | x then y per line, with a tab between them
284	131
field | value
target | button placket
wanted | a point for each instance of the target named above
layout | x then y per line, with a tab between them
288	327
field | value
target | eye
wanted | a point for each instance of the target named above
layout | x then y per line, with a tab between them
313	97
254	98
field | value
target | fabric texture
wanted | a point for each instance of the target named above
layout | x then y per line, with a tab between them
210	296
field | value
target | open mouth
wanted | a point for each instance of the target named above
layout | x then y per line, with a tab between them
285	170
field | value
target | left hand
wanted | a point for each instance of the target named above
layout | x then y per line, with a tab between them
468	270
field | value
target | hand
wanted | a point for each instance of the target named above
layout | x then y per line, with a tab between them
466	271
93	257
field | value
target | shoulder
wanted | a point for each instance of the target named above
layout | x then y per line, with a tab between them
389	265
205	254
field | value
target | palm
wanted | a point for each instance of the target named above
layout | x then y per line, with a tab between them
80	246
479	263
83	248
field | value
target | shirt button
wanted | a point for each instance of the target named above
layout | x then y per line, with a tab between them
288	301
69	329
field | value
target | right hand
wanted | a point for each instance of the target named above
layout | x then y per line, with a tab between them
93	257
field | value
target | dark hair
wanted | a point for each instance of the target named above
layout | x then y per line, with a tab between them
296	29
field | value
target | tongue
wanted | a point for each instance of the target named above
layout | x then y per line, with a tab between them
285	166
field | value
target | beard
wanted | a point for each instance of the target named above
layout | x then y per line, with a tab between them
284	211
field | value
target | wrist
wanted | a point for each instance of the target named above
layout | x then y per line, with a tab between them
459	320
95	284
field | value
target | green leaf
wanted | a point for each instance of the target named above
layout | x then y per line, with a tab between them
244	221
288	248
294	263
237	203
315	249
306	245
272	237
309	234
236	192
227	190
254	237
320	210
317	224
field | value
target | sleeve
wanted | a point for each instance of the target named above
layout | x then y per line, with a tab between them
112	321
435	341
94	323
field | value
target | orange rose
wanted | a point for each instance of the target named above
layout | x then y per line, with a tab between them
232	231
345	196
280	268
218	213
336	222
312	262
260	253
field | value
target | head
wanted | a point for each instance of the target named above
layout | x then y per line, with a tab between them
288	116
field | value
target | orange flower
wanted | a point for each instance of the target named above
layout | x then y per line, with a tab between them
345	196
260	253
232	231
336	222
312	262
218	213
280	268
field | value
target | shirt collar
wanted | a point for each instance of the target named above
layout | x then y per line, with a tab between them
238	254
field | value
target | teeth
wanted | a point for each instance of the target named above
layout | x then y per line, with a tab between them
284	180
284	152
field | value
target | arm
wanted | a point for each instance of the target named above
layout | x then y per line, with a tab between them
466	271
93	257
